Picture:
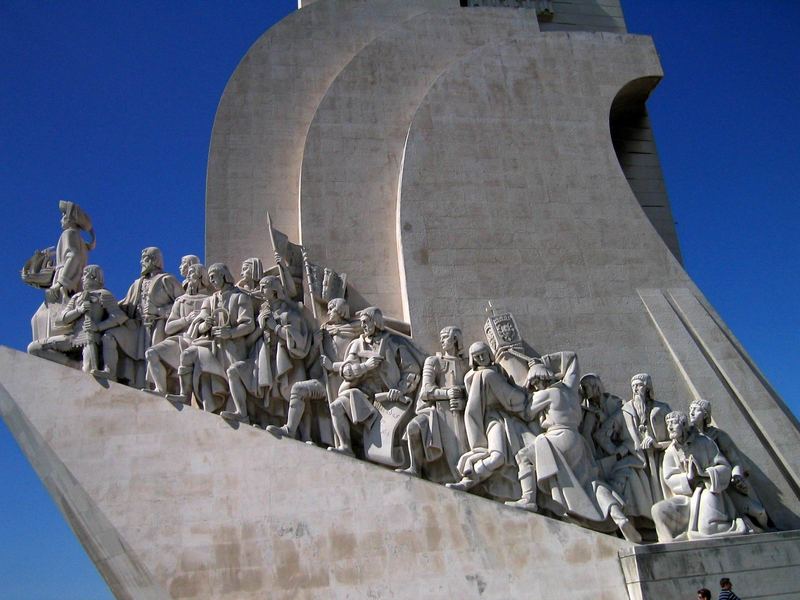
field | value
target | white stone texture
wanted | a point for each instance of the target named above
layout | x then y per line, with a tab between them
353	153
264	114
761	567
179	503
511	191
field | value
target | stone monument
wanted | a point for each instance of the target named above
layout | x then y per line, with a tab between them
471	190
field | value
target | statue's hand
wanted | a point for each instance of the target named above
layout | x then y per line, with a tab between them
372	363
394	395
455	393
222	332
278	258
84	307
648	442
327	363
90	327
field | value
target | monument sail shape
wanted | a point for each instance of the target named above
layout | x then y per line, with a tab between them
483	172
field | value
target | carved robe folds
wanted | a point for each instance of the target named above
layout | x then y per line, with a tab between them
208	358
697	509
443	434
650	423
495	433
397	369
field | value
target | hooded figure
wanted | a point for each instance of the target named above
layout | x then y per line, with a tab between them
72	252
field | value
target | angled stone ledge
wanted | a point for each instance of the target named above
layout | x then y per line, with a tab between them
181	504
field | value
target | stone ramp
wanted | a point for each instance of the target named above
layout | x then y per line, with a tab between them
178	503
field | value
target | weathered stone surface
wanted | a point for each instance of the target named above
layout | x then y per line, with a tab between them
353	155
179	503
263	117
760	566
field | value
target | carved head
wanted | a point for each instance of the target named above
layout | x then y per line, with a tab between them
642	386
252	269
152	261
480	355
539	377
700	413
73	215
271	288
186	262
677	425
338	310
197	278
371	320
93	278
219	275
592	387
452	341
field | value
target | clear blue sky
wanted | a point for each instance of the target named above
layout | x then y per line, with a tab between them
110	104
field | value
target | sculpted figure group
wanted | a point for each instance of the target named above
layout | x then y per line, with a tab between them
531	431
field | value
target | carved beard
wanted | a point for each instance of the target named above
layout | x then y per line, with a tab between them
640	403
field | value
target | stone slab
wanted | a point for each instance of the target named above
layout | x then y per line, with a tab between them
208	510
763	566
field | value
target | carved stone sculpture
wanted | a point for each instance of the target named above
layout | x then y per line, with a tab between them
58	271
336	334
219	335
598	405
558	471
495	431
89	313
278	357
644	417
740	490
697	475
163	358
148	303
251	274
380	376
183	268
623	465
436	437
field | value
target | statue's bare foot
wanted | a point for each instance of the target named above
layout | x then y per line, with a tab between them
629	532
154	392
464	485
341	450
234	416
408	471
524	504
178	398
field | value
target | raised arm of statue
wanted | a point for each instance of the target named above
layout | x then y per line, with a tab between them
540	402
565	365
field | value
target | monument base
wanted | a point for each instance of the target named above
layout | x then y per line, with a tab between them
761	566
170	501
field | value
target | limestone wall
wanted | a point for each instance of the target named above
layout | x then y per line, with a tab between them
178	503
